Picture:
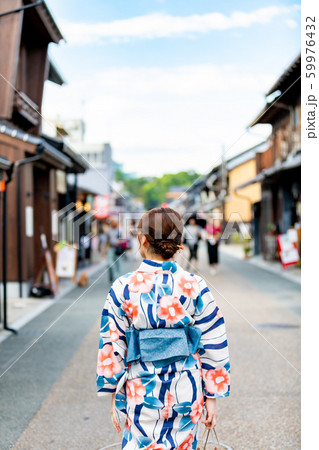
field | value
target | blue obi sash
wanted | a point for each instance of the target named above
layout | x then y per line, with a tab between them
162	346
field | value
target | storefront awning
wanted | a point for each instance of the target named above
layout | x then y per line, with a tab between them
50	154
54	74
206	207
53	156
254	180
290	163
80	165
4	164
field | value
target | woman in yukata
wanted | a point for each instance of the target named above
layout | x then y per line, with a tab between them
163	351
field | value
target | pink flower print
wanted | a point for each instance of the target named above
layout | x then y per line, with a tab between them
219	314
197	409
217	381
141	282
114	332
135	391
170	309
155	446
187	444
107	364
169	403
189	286
131	309
197	357
128	423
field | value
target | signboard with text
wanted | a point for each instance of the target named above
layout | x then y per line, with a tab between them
288	250
66	262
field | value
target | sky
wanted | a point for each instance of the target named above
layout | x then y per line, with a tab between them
169	83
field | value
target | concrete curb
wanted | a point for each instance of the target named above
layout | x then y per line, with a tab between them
281	273
262	265
46	303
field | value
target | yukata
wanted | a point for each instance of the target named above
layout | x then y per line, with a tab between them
162	401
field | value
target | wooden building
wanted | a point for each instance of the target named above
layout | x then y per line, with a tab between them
260	185
279	167
241	168
35	190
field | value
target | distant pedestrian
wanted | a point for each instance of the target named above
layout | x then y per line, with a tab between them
114	251
192	237
134	247
103	239
213	235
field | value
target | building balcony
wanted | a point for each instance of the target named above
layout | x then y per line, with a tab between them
25	111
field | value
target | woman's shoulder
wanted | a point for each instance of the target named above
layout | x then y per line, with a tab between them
120	283
193	277
134	279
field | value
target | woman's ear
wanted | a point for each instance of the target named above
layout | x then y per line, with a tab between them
143	240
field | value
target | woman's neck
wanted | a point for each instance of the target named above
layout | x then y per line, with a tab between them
154	257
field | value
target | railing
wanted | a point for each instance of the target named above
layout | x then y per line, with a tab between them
26	108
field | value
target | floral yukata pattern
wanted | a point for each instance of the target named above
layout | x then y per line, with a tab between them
162	404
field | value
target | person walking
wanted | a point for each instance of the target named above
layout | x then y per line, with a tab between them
103	239
213	235
134	248
192	237
114	250
163	352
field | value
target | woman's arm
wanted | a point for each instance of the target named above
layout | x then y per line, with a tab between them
215	356
211	413
115	421
112	345
112	348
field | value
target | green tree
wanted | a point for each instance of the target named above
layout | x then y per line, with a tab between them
152	190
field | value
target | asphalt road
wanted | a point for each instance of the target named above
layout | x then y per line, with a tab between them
48	400
60	331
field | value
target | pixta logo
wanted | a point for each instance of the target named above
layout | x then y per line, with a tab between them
68	224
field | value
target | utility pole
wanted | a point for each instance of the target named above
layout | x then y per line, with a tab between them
4	247
223	188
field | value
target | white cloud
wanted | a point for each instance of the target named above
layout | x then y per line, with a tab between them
291	23
159	25
164	119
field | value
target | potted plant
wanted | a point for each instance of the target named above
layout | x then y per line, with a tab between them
270	243
247	248
271	227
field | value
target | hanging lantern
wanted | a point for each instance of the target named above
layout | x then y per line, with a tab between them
79	205
87	207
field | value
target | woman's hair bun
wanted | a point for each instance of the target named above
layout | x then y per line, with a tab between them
163	228
166	249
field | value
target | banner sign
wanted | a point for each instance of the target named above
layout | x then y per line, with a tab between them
101	206
288	250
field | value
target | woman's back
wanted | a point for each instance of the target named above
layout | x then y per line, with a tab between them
163	348
161	296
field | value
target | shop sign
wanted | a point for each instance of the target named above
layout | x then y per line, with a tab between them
288	250
101	206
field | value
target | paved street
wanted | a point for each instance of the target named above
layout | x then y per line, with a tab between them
48	399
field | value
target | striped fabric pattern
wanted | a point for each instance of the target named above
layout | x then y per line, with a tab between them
162	404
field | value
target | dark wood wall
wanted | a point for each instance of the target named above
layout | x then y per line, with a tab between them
13	150
10	33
